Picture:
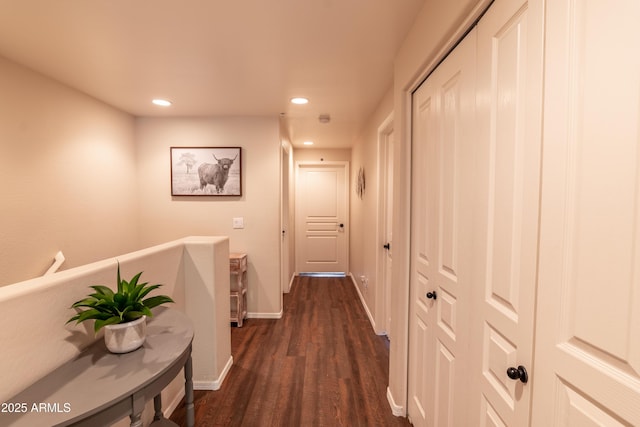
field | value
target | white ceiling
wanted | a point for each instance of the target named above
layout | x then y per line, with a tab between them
219	57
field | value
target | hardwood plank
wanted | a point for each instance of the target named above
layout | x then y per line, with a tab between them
320	365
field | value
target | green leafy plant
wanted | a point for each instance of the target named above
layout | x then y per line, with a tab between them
108	308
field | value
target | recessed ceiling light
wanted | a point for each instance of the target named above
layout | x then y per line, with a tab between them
308	143
161	102
299	101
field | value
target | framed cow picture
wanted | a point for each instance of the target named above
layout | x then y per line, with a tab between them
206	171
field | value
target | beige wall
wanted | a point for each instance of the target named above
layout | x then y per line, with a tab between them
318	155
67	174
86	179
163	217
365	247
436	28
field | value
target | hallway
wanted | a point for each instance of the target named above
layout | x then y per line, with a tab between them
320	365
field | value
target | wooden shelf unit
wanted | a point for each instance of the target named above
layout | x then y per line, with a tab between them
238	291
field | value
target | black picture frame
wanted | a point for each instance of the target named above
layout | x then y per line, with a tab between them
206	171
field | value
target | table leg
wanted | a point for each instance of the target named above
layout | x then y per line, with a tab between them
137	406
188	392
157	406
136	420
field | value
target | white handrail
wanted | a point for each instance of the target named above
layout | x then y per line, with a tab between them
57	262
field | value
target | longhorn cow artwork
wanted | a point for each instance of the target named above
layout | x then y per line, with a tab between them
206	171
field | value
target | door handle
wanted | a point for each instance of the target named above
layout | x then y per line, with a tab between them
387	246
341	226
519	373
432	295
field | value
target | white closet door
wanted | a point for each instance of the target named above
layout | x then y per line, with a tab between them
509	148
442	216
587	358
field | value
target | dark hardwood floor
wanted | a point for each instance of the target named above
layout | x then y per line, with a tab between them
320	365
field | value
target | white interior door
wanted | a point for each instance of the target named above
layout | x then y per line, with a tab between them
441	221
587	358
285	267
388	227
385	226
509	149
322	232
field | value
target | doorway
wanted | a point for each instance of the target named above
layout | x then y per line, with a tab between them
286	242
385	226
322	219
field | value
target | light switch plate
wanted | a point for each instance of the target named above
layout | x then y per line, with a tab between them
238	222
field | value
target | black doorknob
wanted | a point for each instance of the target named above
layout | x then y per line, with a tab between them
519	373
387	246
341	225
432	295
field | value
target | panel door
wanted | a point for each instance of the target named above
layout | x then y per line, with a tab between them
286	266
322	199
388	229
587	358
442	193
385	227
509	143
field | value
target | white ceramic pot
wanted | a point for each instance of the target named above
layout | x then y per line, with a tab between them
125	337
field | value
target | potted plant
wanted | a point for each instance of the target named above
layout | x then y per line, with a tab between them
122	313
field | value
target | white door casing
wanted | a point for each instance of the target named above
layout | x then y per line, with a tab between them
441	221
322	219
587	357
508	114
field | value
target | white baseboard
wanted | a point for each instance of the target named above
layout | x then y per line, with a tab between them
198	385
363	302
215	384
293	278
396	409
265	315
173	404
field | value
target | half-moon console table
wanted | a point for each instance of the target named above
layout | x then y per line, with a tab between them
99	388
